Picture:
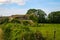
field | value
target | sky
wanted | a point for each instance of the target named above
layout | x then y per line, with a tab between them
20	7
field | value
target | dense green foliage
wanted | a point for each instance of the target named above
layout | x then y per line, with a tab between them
31	11
32	16
15	21
54	17
41	16
37	15
4	20
20	32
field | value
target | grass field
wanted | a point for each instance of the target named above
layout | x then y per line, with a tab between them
46	29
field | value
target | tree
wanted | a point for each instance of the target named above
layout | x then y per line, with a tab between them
31	14
37	15
41	16
31	11
54	17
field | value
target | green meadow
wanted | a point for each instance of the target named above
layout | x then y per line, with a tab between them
48	30
13	31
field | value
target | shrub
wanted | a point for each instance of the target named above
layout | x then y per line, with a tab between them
19	32
33	36
25	22
4	20
15	21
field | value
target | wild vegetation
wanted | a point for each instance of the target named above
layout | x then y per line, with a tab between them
37	27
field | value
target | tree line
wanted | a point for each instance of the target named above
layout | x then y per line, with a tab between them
39	16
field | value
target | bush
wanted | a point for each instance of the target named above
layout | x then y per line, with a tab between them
15	21
27	22
7	31
14	31
19	32
4	20
33	36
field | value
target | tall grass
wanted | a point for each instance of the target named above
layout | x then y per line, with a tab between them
16	31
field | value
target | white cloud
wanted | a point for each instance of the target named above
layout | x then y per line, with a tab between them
3	1
13	11
19	2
